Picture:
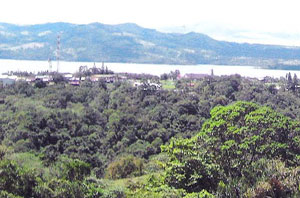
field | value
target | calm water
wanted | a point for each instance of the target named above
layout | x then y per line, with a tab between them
35	66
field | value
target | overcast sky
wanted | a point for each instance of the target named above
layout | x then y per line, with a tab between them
263	16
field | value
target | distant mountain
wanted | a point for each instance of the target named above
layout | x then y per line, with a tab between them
132	43
236	34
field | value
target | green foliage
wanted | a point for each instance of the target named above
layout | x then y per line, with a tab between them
4	194
114	193
168	84
94	191
40	84
190	167
76	170
276	180
96	124
242	133
58	78
57	136
125	167
3	151
16	180
29	161
202	194
225	153
153	187
60	188
24	88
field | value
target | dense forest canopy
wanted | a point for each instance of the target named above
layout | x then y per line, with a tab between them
84	141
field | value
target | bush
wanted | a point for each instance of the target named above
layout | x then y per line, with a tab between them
76	170
16	180
4	194
276	180
125	167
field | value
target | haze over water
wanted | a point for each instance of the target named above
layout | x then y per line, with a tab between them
155	69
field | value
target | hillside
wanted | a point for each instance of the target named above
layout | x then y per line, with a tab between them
225	136
132	43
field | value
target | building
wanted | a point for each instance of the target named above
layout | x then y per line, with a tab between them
195	76
74	82
45	78
108	78
7	81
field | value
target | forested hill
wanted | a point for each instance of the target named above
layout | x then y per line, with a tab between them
214	137
132	43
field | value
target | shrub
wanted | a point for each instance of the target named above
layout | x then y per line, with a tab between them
76	170
125	167
4	194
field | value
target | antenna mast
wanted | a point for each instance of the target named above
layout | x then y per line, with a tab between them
50	65
58	51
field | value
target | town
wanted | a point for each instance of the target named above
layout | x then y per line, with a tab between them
98	74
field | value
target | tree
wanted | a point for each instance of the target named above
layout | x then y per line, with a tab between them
40	84
22	87
291	82
190	167
16	180
164	76
295	83
58	78
230	142
174	74
244	132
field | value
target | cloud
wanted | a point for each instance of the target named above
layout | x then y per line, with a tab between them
267	16
26	46
7	34
44	33
25	33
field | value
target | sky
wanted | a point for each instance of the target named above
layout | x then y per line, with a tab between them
259	20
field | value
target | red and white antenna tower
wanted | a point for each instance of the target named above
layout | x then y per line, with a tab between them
58	51
50	64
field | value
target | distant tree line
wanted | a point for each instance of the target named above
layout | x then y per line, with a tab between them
85	71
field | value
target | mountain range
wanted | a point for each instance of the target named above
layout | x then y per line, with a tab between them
130	43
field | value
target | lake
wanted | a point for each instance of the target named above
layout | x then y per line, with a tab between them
155	69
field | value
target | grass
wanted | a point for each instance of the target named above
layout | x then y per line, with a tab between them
123	183
168	84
